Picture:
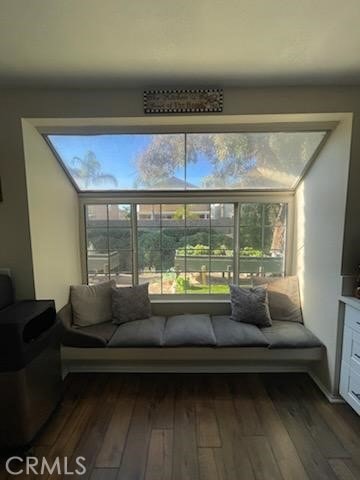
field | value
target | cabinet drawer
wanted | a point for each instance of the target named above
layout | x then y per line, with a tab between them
354	391
352	318
355	352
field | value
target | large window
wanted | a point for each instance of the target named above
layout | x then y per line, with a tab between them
185	248
191	211
187	161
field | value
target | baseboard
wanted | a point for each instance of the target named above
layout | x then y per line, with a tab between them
181	367
330	396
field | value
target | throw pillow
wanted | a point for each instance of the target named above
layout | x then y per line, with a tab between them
130	303
284	297
91	304
250	305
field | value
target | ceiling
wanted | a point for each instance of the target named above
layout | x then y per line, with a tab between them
130	43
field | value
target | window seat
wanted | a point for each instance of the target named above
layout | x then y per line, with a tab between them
189	338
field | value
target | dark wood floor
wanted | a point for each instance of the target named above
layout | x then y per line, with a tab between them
207	427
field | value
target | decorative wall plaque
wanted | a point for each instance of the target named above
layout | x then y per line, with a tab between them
208	100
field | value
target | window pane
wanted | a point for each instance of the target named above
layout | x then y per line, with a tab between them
120	261
198	236
98	262
96	215
193	283
149	238
221	240
149	260
197	215
97	239
95	278
120	238
173	238
109	245
119	215
250	241
124	161
263	242
173	215
122	279
270	160
219	283
169	285
153	279
251	214
222	214
197	282
148	215
168	260
197	261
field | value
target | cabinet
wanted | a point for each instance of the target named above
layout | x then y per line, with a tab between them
350	362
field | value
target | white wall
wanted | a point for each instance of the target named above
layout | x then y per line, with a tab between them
54	221
320	204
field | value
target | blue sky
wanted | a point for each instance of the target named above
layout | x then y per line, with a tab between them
117	154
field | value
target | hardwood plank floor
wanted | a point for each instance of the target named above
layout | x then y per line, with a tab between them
200	427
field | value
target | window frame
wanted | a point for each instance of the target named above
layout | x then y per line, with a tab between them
187	198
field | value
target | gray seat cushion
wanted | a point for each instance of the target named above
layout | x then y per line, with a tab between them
148	332
104	330
87	337
230	333
189	330
290	335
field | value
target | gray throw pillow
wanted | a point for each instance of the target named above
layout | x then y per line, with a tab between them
130	303
91	304
250	305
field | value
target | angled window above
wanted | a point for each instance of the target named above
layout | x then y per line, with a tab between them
187	161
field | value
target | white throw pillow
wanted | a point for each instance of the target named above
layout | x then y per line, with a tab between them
91	304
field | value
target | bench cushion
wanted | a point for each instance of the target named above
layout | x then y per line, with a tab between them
230	333
92	336
148	332
290	335
189	330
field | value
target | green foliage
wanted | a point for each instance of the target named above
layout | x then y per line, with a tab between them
87	172
182	284
203	250
250	252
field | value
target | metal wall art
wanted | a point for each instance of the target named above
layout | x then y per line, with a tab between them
208	100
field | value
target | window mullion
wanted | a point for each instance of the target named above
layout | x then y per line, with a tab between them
263	210
108	240
134	237
236	243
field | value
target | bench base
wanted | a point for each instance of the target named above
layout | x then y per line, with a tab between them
188	359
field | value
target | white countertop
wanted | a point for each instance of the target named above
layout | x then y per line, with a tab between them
352	301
